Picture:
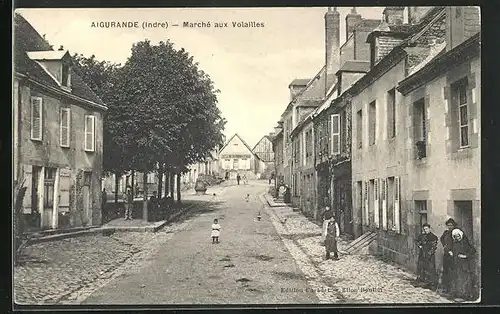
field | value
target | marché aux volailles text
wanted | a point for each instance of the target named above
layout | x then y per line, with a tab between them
240	24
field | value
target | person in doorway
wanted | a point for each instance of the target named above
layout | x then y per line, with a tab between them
238	178
332	234
129	203
426	265
325	217
447	242
215	231
463	275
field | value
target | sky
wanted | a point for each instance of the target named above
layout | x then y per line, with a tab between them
252	67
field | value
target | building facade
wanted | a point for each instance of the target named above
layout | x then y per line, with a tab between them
57	136
264	150
404	130
236	157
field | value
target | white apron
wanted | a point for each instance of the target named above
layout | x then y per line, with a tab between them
215	230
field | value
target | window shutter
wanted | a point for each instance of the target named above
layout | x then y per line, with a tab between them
64	189
36	118
384	203
65	127
335	131
397	190
367	218
376	202
89	133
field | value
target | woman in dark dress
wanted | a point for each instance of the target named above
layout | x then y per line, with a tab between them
463	252
426	265
447	242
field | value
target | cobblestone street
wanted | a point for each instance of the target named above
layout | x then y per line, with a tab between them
276	260
353	278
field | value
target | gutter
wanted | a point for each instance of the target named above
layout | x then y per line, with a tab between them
62	93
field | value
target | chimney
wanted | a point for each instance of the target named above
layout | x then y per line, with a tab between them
61	48
394	15
415	14
332	45
351	20
461	24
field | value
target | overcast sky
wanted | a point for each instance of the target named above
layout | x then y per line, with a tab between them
251	66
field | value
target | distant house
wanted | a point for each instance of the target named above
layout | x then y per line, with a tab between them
58	131
264	150
236	157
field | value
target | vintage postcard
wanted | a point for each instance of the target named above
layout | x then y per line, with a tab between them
224	156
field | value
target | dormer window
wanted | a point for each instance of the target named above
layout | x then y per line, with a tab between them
56	64
65	75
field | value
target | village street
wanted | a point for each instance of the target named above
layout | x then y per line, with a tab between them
277	260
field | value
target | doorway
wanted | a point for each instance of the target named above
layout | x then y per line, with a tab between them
48	195
87	200
463	214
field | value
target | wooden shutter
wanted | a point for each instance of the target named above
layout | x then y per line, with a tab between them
397	192
64	189
376	202
384	203
367	212
335	134
65	127
89	133
36	118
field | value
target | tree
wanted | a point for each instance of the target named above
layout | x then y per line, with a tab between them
103	77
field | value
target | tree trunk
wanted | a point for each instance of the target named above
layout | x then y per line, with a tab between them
145	202
160	181
167	182
178	177
172	192
117	185
133	182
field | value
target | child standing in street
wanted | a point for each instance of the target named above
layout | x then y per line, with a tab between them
215	231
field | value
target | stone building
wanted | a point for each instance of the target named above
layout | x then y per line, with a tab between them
58	129
406	126
277	141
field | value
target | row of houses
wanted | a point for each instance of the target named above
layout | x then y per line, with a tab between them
387	133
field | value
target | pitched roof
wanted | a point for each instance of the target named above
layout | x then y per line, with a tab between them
368	23
241	139
355	66
264	137
27	39
299	82
47	54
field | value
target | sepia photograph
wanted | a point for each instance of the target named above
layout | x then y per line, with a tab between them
277	156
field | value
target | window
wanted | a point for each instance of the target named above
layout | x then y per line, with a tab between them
65	74
87	178
335	131
359	128
150	178
367	212
421	209
89	133
343	132
383	196
391	113
65	127
459	90
419	130
372	122
390	202
36	118
309	143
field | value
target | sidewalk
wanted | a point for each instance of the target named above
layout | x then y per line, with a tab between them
353	278
134	225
